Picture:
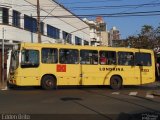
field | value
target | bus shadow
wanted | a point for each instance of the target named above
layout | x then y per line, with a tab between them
89	87
149	86
25	88
68	87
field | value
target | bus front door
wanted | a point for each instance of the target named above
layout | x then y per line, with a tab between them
145	67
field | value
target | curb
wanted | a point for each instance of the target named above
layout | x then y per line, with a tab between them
152	85
154	92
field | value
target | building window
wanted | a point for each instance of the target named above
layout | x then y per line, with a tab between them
53	32
89	57
30	23
78	41
86	42
16	18
4	14
42	28
67	37
49	55
1	13
68	56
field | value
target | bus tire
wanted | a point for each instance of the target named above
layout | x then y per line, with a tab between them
48	82
116	82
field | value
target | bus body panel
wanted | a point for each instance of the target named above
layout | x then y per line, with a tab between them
70	76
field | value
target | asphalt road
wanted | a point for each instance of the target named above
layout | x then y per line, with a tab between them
130	103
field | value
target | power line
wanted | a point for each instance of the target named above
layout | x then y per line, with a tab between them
121	14
99	7
49	13
91	1
112	14
79	7
141	13
115	6
47	5
139	6
90	7
119	6
95	8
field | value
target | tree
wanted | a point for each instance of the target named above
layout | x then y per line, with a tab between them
146	29
132	42
148	38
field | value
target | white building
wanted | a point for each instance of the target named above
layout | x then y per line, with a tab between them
58	25
18	17
98	32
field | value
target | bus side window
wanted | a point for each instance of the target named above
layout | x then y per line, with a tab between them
107	57
126	58
89	57
94	57
143	59
68	56
103	58
49	55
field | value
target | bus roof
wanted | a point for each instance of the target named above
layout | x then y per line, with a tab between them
82	47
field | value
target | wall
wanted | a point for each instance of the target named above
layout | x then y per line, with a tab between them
72	25
5	66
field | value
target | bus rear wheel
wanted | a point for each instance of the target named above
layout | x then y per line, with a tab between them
48	82
116	82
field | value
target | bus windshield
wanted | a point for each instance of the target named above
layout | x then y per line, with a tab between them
30	58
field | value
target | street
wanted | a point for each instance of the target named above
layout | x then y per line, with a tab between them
89	103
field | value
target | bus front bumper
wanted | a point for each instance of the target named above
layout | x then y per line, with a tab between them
14	80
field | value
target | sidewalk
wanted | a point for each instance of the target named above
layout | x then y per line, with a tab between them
156	93
155	86
152	85
2	87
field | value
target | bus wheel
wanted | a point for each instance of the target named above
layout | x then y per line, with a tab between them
116	82
48	82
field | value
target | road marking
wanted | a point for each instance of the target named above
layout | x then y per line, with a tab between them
133	93
115	93
149	96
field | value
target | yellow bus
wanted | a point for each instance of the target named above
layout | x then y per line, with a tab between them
52	65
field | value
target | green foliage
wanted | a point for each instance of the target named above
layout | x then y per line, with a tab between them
148	38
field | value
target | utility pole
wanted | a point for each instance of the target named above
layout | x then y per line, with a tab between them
3	58
38	22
